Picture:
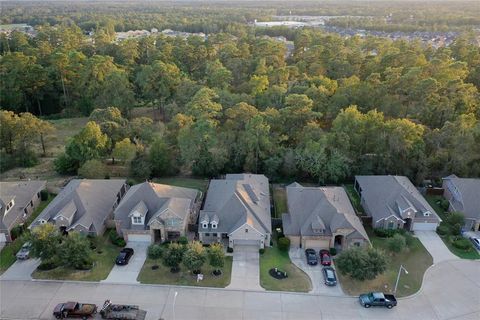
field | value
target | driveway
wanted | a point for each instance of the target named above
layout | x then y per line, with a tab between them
21	270
245	268
297	256
435	246
129	273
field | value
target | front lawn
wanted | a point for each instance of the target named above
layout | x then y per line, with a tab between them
279	200
415	259
162	275
7	255
199	184
103	256
297	280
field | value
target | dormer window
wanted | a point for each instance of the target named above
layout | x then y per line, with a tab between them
317	231
137	220
214	225
205	225
427	214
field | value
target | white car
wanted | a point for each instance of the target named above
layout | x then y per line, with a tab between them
476	242
24	252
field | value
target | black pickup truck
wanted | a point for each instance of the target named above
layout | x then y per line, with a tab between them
377	299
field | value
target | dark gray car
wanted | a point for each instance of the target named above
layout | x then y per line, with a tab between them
329	276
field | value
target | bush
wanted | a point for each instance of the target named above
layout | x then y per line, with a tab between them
384	233
462	244
455	218
397	243
456	229
183	240
333	251
17	231
115	239
443	230
444	204
261	251
48	264
154	251
229	250
283	244
44	195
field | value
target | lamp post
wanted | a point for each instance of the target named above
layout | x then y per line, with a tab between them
398	277
173	306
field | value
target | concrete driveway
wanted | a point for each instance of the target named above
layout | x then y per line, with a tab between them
21	270
129	273
435	246
297	256
245	268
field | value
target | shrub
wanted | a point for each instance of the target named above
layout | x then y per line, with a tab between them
384	233
462	244
456	229
44	195
183	240
17	231
397	243
154	251
443	230
261	251
283	244
48	264
229	250
115	239
455	218
444	204
333	251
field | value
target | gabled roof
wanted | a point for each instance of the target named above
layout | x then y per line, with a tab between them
237	200
386	195
22	192
140	209
68	211
93	200
326	208
157	198
469	190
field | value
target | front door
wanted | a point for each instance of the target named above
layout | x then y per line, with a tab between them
157	235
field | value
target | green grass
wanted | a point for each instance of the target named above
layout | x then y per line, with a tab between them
200	184
104	258
470	253
7	255
279	200
415	259
162	275
354	197
297	280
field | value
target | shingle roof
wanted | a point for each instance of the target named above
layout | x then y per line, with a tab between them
157	198
93	199
237	200
22	192
311	207
469	189
384	195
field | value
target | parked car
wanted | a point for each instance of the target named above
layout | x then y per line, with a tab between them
24	252
124	256
476	242
325	258
74	310
311	257
377	299
329	276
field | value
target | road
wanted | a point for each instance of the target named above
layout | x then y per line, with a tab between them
451	290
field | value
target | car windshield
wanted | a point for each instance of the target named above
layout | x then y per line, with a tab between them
326	257
329	274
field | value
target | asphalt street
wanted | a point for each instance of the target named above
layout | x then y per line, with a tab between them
451	290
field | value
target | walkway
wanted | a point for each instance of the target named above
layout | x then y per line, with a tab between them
245	268
297	256
435	301
129	273
435	246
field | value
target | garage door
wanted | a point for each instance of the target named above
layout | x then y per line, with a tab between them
422	226
139	238
317	244
242	242
3	237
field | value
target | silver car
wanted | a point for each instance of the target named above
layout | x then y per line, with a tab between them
24	252
476	242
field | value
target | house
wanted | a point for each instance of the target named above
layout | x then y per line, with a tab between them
152	212
393	202
84	205
463	195
237	210
321	218
17	202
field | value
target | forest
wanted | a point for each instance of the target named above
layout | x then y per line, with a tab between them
237	99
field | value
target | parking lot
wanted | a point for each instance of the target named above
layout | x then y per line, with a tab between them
297	256
129	273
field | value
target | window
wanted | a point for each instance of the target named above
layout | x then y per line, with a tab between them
31	203
137	220
357	244
426	214
214	234
390	225
204	226
214	225
25	210
207	234
246	230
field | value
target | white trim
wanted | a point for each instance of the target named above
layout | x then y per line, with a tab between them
242	226
392	215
